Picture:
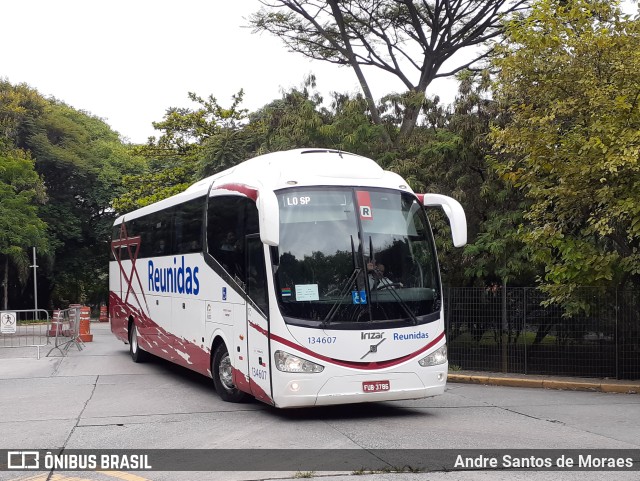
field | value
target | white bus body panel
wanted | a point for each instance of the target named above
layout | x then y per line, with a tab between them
347	367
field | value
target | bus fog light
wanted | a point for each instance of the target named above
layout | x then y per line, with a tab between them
294	386
440	376
286	362
439	356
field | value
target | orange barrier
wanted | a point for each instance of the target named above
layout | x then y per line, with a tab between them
103	314
55	329
85	324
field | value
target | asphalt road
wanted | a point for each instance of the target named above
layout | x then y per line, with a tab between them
99	399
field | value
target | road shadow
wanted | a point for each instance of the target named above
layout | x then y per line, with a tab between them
372	410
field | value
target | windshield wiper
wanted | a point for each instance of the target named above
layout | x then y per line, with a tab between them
401	301
395	295
345	289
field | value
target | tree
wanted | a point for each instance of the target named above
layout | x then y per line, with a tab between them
292	121
194	143
448	155
20	228
299	120
495	252
81	162
213	136
568	74
411	40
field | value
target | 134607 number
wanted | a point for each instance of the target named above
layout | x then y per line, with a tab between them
322	340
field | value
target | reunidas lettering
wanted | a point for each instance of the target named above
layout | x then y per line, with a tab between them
177	279
410	336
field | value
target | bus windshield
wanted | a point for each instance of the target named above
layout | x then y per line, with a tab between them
353	255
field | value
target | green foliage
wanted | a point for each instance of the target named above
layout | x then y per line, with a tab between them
295	120
211	136
80	161
352	129
195	143
149	187
20	192
568	75
447	154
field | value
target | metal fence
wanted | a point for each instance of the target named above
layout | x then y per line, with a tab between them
34	328
24	328
491	329
65	331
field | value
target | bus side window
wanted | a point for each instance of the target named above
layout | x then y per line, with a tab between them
188	227
251	216
226	231
256	273
155	230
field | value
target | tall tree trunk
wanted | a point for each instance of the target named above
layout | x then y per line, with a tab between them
409	122
364	85
413	108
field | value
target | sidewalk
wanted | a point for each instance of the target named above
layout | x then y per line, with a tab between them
546	382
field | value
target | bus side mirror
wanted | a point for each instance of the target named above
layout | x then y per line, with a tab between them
454	212
269	217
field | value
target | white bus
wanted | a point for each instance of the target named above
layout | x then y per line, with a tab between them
301	278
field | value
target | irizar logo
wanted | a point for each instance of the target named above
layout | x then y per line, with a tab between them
177	279
371	335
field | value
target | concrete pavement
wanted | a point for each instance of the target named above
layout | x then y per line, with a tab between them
22	363
97	399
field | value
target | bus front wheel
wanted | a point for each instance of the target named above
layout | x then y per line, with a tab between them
137	354
222	374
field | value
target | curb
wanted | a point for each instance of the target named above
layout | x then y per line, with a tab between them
561	384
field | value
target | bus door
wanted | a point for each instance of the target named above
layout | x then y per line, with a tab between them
257	318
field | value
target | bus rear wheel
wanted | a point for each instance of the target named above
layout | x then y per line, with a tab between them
137	354
222	374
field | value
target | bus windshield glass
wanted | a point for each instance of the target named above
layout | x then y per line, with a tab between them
354	255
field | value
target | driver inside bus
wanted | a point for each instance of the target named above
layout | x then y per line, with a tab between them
229	243
377	279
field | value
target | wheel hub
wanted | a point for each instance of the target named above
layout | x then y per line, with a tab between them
226	373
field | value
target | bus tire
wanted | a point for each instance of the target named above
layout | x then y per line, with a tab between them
137	353
222	374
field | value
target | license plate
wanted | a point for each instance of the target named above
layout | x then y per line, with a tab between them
375	386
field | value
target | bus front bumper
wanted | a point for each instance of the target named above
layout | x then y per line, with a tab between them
361	388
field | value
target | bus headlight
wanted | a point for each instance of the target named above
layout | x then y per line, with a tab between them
439	356
286	362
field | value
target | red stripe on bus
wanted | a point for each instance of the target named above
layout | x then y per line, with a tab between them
241	188
259	329
351	364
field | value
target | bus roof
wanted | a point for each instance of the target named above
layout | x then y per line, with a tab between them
278	170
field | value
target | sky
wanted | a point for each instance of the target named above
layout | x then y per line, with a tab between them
127	61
